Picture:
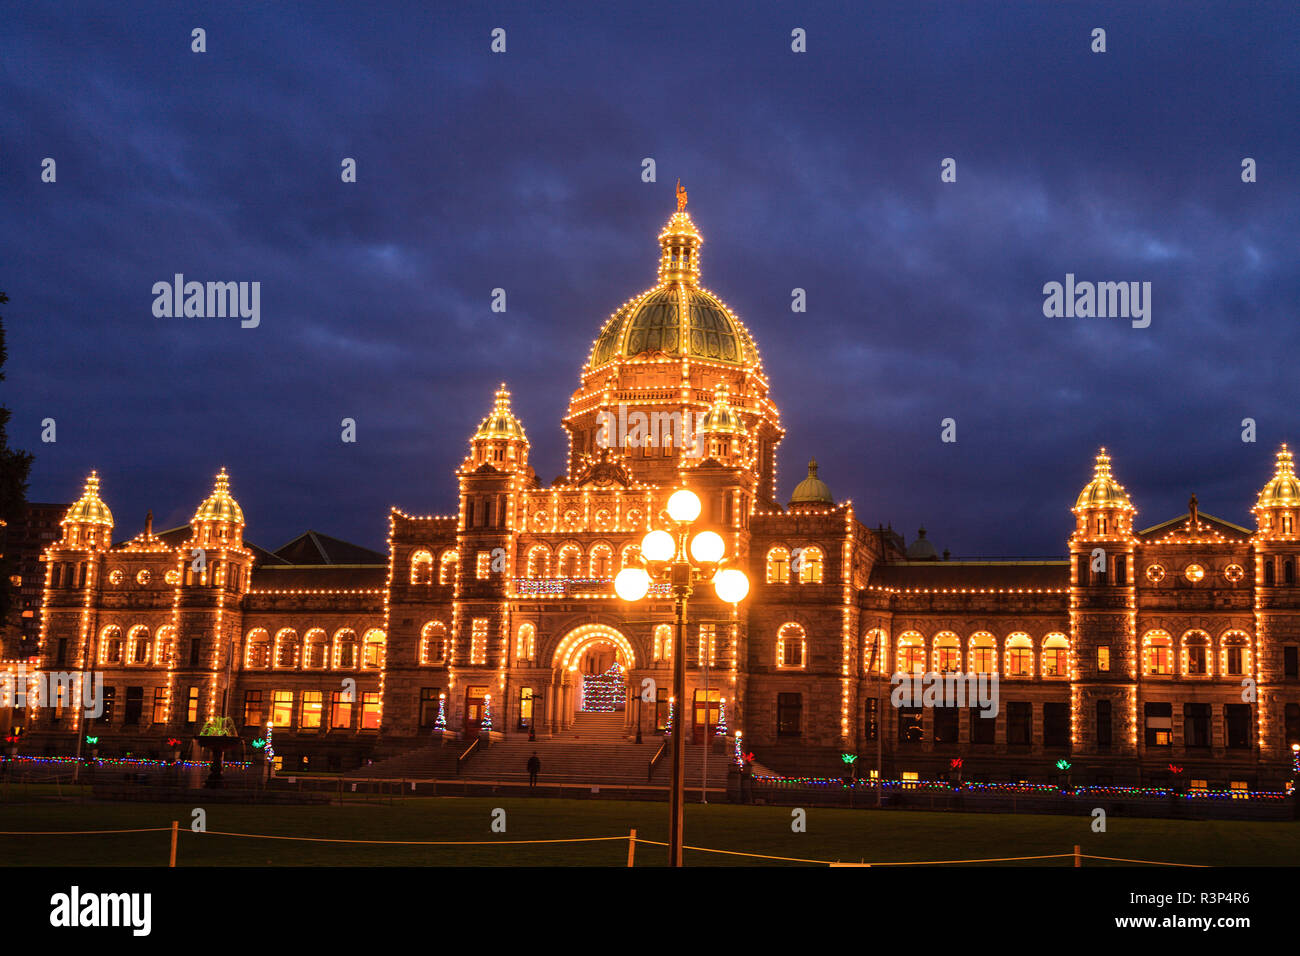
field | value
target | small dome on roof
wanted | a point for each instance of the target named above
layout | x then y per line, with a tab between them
1283	489
220	505
812	490
721	418
89	508
501	421
1103	491
922	549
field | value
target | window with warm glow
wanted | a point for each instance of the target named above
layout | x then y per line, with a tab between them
1157	654
253	708
602	561
370	710
1103	658
983	653
315	642
345	649
110	645
165	646
707	651
447	567
526	642
422	568
791	646
1196	654
778	566
1020	656
809	563
663	642
478	641
373	649
311	710
286	648
257	648
433	643
947	653
875	651
911	653
340	710
570	559
483	565
138	642
282	708
539	561
1056	656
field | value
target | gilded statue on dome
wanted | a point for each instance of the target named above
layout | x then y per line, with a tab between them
681	196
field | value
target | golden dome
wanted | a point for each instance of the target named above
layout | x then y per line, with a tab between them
678	317
1283	489
501	421
721	419
1103	491
89	508
812	490
220	506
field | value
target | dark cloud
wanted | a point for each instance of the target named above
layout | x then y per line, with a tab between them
522	171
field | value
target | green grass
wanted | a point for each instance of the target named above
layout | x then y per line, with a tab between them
832	834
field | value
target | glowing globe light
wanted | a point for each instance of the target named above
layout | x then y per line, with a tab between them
658	546
631	584
707	547
731	585
684	505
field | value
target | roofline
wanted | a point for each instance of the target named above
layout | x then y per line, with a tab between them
1204	514
298	567
1010	562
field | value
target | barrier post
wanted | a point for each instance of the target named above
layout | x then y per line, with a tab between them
631	847
175	826
1078	860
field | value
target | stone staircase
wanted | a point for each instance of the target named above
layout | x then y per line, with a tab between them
594	751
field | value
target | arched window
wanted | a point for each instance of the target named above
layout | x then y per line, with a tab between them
602	561
809	562
570	561
138	645
447	566
1157	654
947	653
286	648
875	651
983	653
1020	655
627	558
791	646
526	641
1234	654
433	643
663	641
164	646
422	567
1056	655
1196	654
539	561
257	648
911	653
314	644
372	657
345	649
778	565
110	645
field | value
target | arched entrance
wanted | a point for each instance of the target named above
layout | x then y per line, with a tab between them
594	662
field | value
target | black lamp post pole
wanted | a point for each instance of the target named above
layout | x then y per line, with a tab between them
681	581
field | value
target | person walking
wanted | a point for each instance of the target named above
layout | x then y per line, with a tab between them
534	768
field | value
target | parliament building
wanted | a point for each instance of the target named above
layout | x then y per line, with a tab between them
1141	654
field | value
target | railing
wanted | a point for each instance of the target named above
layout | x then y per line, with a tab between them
469	752
654	761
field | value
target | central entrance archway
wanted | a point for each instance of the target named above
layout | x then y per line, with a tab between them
594	662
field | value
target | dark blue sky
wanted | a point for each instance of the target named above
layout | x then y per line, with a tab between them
522	171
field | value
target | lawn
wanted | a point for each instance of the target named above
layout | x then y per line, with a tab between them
832	834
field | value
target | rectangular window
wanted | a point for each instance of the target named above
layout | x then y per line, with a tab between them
253	716
983	730
282	708
160	705
340	710
1020	723
192	706
525	708
483	565
196	648
1236	719
945	725
370	710
911	726
134	705
1103	658
1291	661
1056	724
311	710
1105	730
1292	725
429	707
110	698
1236	661
661	710
708	646
789	715
1197	659
1159	724
1196	725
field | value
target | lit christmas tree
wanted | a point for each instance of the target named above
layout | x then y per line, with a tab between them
602	693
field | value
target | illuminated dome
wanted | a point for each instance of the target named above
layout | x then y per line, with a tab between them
1103	491
220	506
678	317
501	421
812	490
90	508
1283	489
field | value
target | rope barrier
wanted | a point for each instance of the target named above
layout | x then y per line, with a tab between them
268	836
765	856
1120	859
78	832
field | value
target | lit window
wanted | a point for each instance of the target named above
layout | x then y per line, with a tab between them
282	708
539	561
315	642
373	649
345	649
526	642
708	646
791	646
257	648
370	710
483	565
875	651
1157	654
1103	658
478	641
286	648
983	653
1056	655
663	642
1020	656
433	643
911	653
1194	573
341	710
447	567
778	566
947	653
311	710
422	568
1155	573
808	564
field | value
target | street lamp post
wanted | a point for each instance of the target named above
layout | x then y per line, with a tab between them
681	560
